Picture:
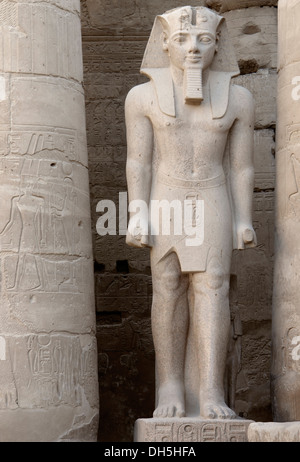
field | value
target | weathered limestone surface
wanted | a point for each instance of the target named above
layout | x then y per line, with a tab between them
48	347
263	86
113	46
65	5
253	32
264	159
137	16
274	432
191	431
226	5
286	299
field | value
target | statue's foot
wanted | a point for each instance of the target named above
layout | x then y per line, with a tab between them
212	406
215	410
170	400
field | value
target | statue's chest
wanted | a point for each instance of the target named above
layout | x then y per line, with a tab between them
190	122
192	117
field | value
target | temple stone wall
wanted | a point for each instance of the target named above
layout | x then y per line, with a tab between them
114	38
254	34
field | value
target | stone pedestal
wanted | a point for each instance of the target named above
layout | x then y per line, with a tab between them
48	360
190	430
274	432
286	298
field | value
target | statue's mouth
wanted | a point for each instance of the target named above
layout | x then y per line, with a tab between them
193	58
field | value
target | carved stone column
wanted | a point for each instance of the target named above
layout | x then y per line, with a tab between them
286	300
48	364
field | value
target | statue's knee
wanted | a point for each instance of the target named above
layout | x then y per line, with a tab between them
215	275
215	279
170	281
208	282
211	283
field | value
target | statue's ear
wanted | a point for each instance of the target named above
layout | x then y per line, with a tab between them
165	34
165	40
218	33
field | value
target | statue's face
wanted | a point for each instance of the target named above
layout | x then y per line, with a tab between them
193	46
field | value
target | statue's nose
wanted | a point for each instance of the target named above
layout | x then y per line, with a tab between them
194	48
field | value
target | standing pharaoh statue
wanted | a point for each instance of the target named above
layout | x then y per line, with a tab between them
190	138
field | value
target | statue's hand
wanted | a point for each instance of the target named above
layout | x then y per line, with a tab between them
246	237
137	233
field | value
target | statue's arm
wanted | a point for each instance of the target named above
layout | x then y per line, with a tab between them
242	168
139	134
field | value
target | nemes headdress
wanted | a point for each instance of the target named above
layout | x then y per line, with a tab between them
156	64
184	18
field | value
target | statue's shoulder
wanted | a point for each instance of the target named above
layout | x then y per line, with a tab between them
140	96
242	104
241	96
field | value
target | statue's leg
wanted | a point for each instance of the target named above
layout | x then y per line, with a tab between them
169	328
212	326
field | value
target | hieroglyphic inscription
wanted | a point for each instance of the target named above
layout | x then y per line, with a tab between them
43	235
47	194
191	430
163	432
34	140
291	350
188	433
112	290
264	159
48	369
43	230
31	272
8	13
40	39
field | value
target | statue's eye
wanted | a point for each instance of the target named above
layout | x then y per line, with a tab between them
205	39
179	39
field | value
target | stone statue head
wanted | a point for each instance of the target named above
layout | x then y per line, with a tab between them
190	36
193	40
